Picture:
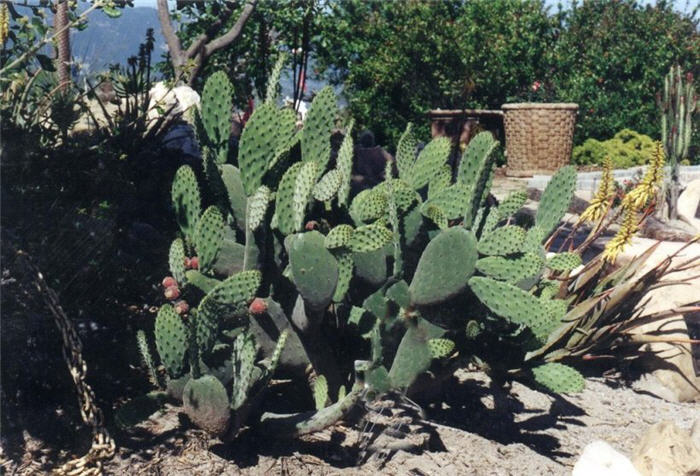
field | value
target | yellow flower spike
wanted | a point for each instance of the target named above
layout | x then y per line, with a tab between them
623	237
646	189
601	200
4	23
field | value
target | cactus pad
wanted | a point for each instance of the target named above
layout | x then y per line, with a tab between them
556	199
429	162
444	267
231	177
316	135
208	237
344	165
186	201
452	200
507	301
440	181
171	340
328	186
314	269
413	356
176	260
406	153
511	204
238	288
533	240
257	207
244	351
345	267
404	195
338	236
206	403
216	108
559	378
564	261
502	241
306	178
368	205
257	145
369	238
320	392
436	215
511	270
284	209
440	348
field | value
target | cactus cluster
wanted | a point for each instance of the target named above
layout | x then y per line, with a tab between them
291	270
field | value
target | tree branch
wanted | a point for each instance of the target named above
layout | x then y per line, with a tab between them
171	38
202	39
231	35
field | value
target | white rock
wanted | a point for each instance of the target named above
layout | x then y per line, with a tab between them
688	203
164	97
601	459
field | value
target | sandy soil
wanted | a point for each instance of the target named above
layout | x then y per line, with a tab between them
475	430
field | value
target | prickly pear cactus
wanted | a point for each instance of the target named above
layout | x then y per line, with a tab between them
559	378
556	199
171	340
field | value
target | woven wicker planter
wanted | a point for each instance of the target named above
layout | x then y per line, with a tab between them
538	136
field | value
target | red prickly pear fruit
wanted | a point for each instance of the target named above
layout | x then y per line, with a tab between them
181	307
310	225
172	292
168	282
194	262
258	306
188	263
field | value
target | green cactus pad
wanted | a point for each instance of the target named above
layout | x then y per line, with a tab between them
328	186
200	281
371	267
345	267
339	236
216	108
491	221
440	348
399	293
277	353
314	269
369	238
556	199
272	88
549	288
533	240
344	165
511	270
257	145
452	200
436	215
284	209
368	205
306	178
208	237
287	138
507	301
413	356
171	340
238	288
511	204
444	267
176	261
320	392
475	158
257	207
186	201
440	181
206	403
244	351
429	162
559	378
502	241
316	136
564	261
231	177
406	153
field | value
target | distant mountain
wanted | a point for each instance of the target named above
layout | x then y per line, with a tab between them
113	40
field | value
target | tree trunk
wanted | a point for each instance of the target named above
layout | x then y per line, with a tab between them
63	55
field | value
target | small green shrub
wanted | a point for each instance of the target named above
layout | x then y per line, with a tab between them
626	149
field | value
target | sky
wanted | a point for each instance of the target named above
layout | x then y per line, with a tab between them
682	5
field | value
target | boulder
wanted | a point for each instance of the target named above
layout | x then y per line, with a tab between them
666	450
175	100
689	205
601	459
670	363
